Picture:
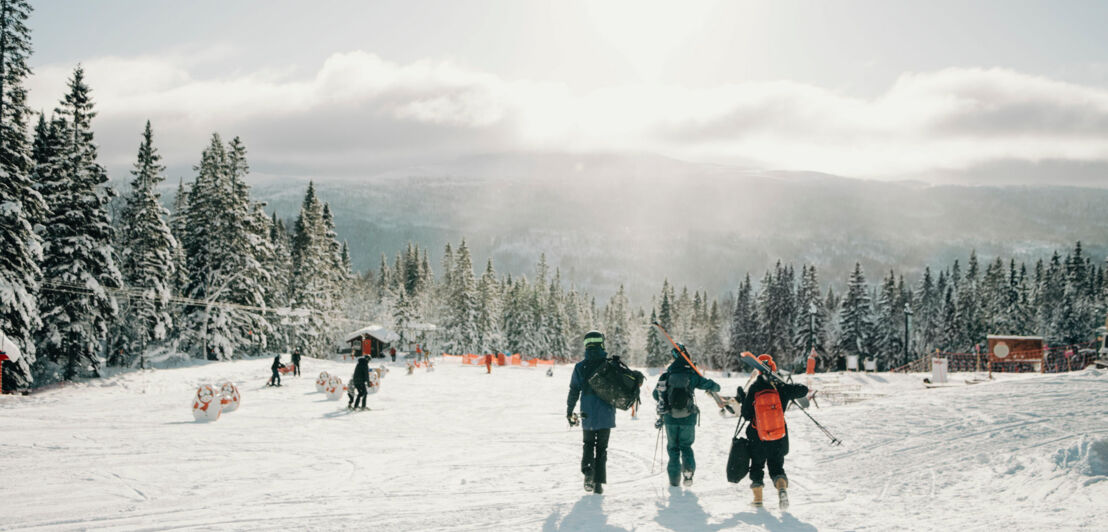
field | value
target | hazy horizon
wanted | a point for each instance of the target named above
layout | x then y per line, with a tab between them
947	92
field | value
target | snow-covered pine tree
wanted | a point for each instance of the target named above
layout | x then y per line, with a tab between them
744	325
21	205
314	287
462	335
226	245
489	313
617	333
712	343
279	268
657	349
888	327
77	236
148	254
810	318
516	317
926	314
177	225
856	322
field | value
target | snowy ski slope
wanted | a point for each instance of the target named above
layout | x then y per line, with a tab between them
456	449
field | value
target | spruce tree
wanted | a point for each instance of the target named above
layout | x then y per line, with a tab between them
21	205
148	255
744	325
856	322
77	251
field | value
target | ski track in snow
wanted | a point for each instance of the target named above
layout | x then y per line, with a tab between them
456	449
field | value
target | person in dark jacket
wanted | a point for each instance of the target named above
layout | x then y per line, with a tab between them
392	353
598	418
680	420
275	380
771	453
296	362
359	381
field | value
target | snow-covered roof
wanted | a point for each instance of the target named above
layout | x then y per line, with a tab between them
376	331
9	348
1003	337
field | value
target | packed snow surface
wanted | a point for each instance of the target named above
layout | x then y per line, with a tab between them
458	449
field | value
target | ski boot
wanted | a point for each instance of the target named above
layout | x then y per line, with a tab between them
782	484
688	474
598	488
757	495
674	481
589	484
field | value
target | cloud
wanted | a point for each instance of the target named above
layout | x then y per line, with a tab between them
359	112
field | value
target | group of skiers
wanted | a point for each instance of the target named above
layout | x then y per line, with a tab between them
678	413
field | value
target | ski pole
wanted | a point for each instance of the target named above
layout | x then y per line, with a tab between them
657	444
834	440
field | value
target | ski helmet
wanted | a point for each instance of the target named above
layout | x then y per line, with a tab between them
594	337
768	360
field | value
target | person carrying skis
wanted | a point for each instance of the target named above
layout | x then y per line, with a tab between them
679	413
764	406
359	382
598	418
296	362
275	380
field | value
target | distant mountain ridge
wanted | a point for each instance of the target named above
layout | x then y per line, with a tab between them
636	219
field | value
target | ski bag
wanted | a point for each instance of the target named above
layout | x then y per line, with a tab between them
616	384
738	460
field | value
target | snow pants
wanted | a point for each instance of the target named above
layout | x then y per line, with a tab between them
679	440
359	402
275	380
296	368
594	459
771	453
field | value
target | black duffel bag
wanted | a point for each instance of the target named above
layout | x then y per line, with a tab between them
738	460
616	384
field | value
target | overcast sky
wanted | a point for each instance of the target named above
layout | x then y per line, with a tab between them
1005	91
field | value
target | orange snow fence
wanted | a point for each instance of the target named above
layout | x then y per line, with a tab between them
500	359
534	362
516	359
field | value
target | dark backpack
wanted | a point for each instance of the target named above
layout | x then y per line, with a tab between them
679	395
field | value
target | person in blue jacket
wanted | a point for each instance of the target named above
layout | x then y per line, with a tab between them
679	412
598	418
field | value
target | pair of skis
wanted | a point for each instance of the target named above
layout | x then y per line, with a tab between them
727	405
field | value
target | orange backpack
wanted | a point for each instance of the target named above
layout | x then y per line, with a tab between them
769	415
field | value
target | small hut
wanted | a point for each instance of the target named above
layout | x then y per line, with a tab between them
372	340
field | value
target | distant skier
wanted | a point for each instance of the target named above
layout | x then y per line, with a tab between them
275	380
296	362
488	363
359	382
679	412
764	405
392	352
598	418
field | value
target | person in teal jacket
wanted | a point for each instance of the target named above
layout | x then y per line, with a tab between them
678	411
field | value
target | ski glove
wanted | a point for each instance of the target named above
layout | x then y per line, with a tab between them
572	418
